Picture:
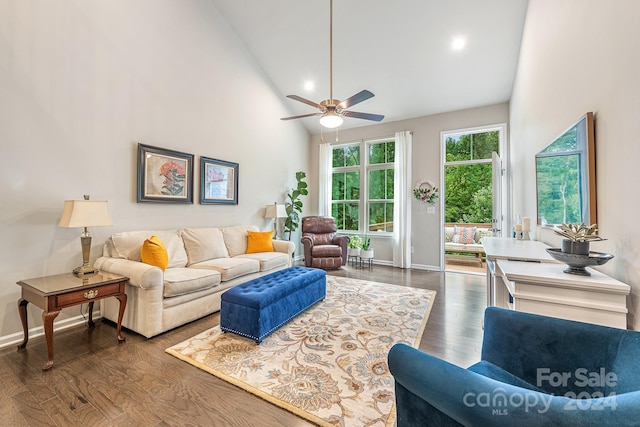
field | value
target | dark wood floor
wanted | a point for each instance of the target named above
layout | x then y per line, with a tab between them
96	382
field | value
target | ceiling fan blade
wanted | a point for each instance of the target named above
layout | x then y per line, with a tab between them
302	116
355	99
306	101
366	116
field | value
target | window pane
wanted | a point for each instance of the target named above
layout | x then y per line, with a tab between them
345	186
559	198
469	196
381	216
381	184
383	152
483	144
346	215
473	146
346	156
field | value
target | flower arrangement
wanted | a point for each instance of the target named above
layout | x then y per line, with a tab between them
426	192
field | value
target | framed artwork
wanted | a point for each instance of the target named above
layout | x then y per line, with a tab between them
219	181
164	176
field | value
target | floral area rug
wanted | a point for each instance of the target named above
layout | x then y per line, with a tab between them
329	364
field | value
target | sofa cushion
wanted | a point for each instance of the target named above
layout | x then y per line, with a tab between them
463	234
235	238
259	241
180	281
154	252
268	260
229	268
202	244
128	245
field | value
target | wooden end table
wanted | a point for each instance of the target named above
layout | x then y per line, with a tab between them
53	293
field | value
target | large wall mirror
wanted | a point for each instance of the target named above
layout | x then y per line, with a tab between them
566	176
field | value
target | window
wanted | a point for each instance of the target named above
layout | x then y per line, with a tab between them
362	186
468	176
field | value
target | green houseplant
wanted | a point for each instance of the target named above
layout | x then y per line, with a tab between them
577	237
366	251
293	205
355	244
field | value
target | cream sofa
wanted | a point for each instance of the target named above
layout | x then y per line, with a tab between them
203	263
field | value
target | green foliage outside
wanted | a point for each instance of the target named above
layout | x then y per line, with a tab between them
558	180
468	186
346	187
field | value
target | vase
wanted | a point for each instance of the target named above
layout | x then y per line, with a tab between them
575	248
366	254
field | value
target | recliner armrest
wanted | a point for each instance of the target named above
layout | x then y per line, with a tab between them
340	240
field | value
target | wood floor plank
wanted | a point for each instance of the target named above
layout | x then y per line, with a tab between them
96	381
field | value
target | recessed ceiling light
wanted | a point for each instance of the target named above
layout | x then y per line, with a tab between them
309	85
458	43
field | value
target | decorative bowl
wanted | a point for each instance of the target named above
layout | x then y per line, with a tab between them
578	263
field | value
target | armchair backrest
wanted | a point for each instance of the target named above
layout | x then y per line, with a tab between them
322	227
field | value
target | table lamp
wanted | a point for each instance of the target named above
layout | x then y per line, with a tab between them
82	214
275	211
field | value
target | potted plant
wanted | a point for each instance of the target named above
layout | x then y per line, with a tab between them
577	237
355	244
294	204
366	251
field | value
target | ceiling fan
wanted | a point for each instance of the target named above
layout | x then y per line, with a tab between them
332	110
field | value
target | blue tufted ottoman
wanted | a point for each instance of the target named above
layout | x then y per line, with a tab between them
260	306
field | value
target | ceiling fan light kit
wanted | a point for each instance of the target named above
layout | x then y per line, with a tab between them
332	111
331	120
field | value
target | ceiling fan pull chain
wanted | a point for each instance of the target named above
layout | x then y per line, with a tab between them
337	130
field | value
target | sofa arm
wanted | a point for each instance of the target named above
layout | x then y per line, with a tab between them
142	275
428	388
284	246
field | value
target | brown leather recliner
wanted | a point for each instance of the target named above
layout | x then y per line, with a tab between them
323	247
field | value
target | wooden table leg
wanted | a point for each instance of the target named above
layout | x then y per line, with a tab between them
47	320
123	303
90	309
22	309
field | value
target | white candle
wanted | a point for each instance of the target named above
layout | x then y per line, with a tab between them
526	223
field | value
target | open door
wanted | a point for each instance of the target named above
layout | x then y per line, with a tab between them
497	216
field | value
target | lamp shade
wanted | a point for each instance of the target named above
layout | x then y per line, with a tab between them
85	213
331	120
275	211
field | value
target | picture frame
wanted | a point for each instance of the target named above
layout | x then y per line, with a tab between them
164	176
218	181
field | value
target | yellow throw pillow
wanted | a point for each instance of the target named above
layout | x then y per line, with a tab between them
259	241
154	252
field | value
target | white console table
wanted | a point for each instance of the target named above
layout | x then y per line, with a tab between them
522	276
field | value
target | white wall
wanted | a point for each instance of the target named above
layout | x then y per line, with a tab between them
580	56
81	82
426	162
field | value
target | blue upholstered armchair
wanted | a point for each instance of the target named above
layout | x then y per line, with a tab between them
535	371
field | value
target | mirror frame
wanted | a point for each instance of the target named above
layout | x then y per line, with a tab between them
587	167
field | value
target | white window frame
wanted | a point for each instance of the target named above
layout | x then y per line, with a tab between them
363	168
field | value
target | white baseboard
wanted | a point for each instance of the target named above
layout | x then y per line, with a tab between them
426	267
16	338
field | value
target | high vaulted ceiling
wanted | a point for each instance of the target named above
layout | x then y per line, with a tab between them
400	50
